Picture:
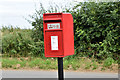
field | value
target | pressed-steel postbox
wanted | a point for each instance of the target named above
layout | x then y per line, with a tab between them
58	34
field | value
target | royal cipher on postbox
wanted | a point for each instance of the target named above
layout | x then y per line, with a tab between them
58	34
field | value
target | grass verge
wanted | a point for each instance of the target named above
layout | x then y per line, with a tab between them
76	64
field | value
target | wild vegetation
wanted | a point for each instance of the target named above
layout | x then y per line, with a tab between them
78	63
96	28
96	36
17	42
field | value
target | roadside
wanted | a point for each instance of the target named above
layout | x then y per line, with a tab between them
50	64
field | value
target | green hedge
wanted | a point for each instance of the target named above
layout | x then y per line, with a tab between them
18	42
97	29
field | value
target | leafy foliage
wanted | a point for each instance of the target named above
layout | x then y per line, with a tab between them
96	32
17	42
108	62
97	29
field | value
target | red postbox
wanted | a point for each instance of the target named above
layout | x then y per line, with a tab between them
58	34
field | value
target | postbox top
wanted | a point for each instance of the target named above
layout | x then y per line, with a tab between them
53	16
54	13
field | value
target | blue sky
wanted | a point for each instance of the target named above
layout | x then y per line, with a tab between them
14	12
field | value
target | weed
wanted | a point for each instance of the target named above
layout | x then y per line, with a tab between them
108	62
87	66
103	69
95	66
50	63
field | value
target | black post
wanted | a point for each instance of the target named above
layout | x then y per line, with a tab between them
60	69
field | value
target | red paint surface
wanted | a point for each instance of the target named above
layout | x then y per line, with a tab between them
65	34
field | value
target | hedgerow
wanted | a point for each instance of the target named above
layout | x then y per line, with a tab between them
96	31
18	42
96	28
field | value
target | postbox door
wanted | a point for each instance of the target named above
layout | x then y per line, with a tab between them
54	43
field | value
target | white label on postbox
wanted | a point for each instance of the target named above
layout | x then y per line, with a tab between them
54	42
53	26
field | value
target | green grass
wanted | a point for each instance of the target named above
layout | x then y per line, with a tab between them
51	63
29	63
12	63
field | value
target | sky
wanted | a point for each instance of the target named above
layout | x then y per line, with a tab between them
14	12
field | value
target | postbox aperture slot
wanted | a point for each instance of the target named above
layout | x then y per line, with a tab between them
46	21
52	24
